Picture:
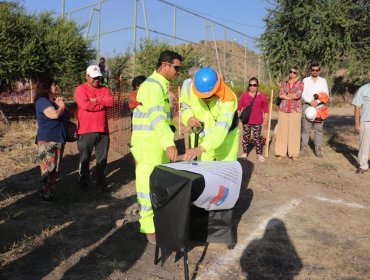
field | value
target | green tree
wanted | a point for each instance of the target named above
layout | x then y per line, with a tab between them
299	32
66	53
34	45
16	42
120	67
148	53
358	60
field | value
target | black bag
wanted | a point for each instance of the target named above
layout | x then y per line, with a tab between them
71	130
246	113
278	101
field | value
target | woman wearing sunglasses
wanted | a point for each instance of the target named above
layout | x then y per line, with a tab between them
289	119
258	117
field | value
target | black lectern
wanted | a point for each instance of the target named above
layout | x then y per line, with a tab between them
177	220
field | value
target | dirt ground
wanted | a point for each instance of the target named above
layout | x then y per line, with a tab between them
305	219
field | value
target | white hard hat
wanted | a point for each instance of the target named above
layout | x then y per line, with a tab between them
310	113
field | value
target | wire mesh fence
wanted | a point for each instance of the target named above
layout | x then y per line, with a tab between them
119	122
228	50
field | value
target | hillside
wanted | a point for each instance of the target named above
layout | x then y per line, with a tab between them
232	57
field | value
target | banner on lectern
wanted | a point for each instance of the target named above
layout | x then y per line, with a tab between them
222	182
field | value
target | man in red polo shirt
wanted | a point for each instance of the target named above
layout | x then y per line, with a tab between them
92	101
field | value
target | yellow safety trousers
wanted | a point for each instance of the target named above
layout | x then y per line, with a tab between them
150	137
147	157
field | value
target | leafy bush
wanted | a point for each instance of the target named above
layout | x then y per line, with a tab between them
34	45
149	50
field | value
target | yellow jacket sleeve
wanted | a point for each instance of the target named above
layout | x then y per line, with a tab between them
217	134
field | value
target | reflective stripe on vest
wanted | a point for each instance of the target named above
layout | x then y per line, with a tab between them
142	127
145	207
156	82
144	116
143	195
223	124
157	120
188	89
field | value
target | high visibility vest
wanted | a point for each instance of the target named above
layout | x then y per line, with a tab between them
217	117
153	118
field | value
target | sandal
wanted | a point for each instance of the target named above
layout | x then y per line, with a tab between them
261	158
361	171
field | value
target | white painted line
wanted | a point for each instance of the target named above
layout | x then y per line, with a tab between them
339	201
217	268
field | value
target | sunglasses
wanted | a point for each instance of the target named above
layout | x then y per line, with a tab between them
96	78
176	67
315	70
253	85
293	72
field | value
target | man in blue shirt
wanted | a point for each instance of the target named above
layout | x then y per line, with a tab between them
361	103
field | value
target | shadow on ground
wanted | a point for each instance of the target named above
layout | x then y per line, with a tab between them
337	139
77	235
273	256
241	206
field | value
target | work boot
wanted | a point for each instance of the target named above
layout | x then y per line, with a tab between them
318	152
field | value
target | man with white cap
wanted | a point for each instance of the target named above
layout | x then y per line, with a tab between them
361	102
93	101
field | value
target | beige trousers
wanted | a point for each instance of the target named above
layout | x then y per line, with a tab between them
288	134
363	151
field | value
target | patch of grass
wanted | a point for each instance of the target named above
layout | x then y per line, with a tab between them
325	166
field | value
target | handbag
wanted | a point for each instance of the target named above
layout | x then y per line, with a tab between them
278	101
71	131
246	113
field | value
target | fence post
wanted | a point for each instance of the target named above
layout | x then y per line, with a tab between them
269	125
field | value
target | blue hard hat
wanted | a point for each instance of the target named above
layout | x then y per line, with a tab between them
205	80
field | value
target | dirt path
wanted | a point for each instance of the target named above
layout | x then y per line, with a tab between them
307	219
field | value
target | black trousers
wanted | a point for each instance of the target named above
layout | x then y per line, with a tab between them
86	143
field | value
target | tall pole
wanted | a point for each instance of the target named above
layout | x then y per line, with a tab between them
259	67
174	25
63	8
217	57
89	23
99	31
145	20
135	28
224	72
267	143
245	64
232	62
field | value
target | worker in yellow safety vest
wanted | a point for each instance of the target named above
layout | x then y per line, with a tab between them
152	141
210	102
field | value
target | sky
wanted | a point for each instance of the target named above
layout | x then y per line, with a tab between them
243	16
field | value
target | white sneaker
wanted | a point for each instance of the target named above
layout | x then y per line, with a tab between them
261	158
244	155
